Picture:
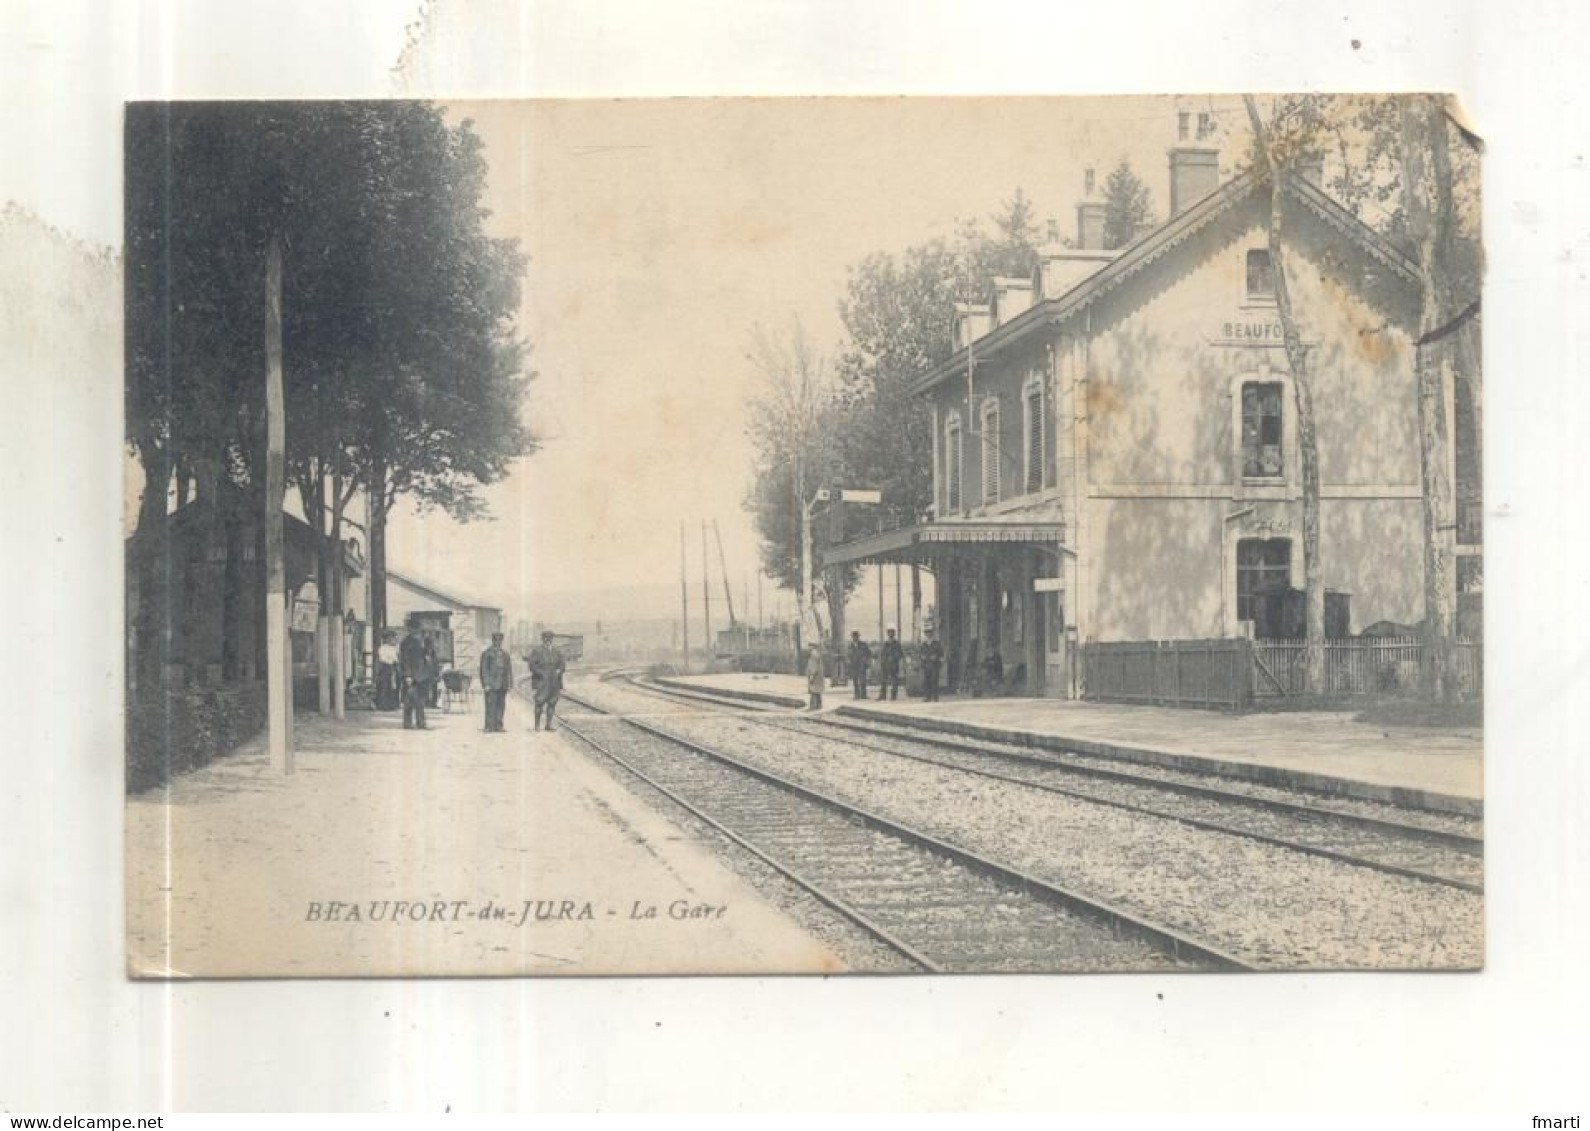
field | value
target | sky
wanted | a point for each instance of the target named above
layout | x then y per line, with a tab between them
660	233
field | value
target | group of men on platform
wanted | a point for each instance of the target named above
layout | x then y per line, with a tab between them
412	669
891	659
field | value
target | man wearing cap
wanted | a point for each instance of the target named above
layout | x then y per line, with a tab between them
860	660
932	661
546	676
415	671
496	680
889	659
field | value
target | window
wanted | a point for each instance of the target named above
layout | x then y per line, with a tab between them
1036	438
1261	276
991	451
1261	430
952	464
1264	574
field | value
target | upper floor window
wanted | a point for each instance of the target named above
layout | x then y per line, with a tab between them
1035	427
1261	276
1261	430
952	463
991	451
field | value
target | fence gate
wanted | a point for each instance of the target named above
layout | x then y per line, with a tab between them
1173	673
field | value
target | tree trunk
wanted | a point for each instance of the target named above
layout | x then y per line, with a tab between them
375	494
803	593
149	574
1307	440
1428	204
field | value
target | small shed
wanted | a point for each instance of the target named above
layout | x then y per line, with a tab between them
469	621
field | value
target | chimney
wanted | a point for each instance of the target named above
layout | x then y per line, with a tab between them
1194	174
972	321
1090	225
1011	297
1090	216
1060	268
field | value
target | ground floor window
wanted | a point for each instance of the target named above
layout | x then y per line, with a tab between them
1264	570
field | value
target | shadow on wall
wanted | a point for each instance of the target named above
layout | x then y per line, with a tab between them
1158	564
1378	557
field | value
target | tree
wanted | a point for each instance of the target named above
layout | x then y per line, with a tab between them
404	373
792	427
1428	205
1277	148
1400	173
1127	211
898	313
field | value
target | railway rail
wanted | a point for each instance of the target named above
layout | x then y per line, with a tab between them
1414	850
941	907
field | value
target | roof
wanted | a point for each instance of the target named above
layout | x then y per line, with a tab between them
903	542
446	596
1154	245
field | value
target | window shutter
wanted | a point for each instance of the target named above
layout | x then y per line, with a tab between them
1037	440
991	453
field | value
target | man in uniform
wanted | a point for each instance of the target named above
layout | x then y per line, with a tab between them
546	676
414	671
496	680
860	659
889	659
932	660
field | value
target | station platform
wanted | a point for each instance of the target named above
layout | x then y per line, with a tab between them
1438	768
472	829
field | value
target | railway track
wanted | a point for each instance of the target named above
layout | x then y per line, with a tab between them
1419	851
942	908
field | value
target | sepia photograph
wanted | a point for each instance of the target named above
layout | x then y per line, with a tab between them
803	536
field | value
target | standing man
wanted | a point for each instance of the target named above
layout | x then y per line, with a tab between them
546	676
860	658
814	675
388	682
433	671
496	680
412	671
889	660
932	660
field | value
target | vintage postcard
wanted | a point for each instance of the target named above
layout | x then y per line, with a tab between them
802	536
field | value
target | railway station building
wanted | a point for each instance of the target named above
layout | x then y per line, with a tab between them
1115	452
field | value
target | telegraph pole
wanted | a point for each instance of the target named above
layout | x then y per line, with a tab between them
706	595
279	660
684	597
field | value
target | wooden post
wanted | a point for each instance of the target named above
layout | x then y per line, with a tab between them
278	669
836	585
684	597
706	596
879	568
323	658
339	602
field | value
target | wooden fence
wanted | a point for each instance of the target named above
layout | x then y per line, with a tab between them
1172	673
1361	665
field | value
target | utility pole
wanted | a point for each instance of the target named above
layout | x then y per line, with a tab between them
684	597
899	608
279	660
706	595
879	569
836	588
723	571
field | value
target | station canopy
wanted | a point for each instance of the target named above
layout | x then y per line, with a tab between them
933	539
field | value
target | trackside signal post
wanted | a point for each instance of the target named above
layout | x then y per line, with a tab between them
836	498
